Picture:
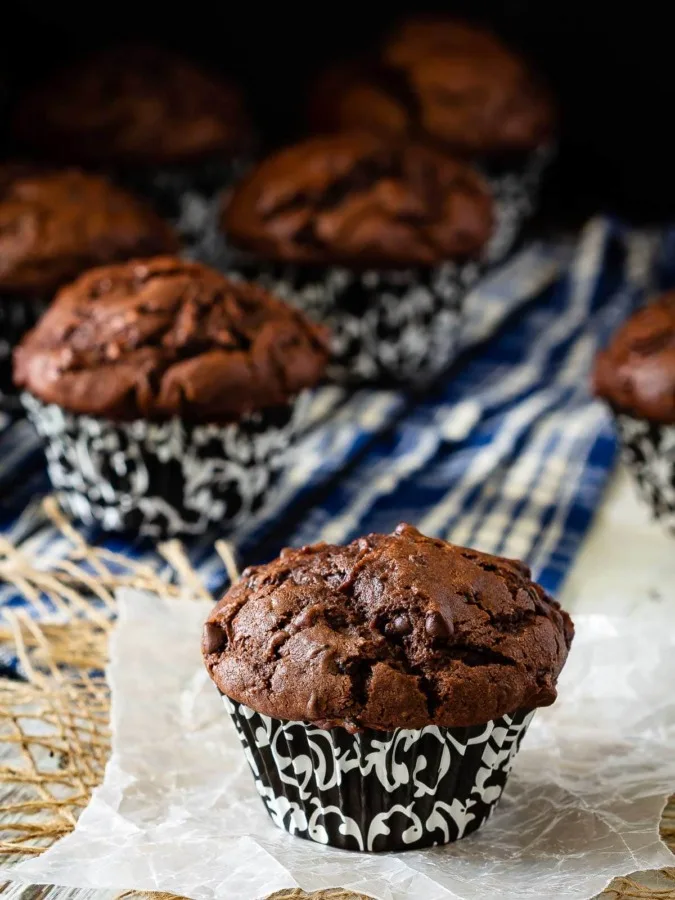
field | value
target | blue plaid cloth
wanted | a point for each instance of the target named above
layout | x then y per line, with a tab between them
509	453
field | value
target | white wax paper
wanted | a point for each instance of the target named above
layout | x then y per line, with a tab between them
178	811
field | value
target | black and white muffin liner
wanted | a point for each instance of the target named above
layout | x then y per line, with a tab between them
188	197
375	790
164	478
387	327
18	314
515	185
648	450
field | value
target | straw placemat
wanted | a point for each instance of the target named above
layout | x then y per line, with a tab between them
54	737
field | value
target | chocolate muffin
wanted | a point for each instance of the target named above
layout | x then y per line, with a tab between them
159	122
379	241
460	88
401	669
135	105
54	225
177	386
635	375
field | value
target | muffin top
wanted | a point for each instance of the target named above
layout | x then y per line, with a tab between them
636	373
439	81
356	200
163	337
418	36
55	224
133	104
390	631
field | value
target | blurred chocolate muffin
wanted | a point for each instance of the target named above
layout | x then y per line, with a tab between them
459	88
636	373
635	376
167	129
163	337
167	395
133	105
54	224
358	201
378	240
441	81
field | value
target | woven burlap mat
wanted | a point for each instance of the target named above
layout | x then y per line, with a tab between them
54	737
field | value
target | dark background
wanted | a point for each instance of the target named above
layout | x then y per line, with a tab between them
611	67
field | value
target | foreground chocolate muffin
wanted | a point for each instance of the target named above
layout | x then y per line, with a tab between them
458	87
382	689
166	394
166	127
635	375
54	224
378	241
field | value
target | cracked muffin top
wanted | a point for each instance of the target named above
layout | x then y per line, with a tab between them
56	224
391	631
133	104
443	81
355	200
165	337
636	373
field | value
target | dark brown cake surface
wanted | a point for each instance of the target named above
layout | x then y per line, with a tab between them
55	224
133	104
164	337
421	35
353	199
390	631
636	373
441	81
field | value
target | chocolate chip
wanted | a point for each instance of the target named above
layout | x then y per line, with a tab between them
436	626
400	624
214	638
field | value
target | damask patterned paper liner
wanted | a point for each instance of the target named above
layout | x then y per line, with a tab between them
516	194
164	478
387	327
378	791
648	450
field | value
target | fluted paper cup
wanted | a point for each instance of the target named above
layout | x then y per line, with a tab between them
648	451
164	478
376	790
387	327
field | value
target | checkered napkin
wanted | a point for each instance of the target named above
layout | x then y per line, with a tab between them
509	453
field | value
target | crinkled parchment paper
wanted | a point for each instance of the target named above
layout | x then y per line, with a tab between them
178	811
